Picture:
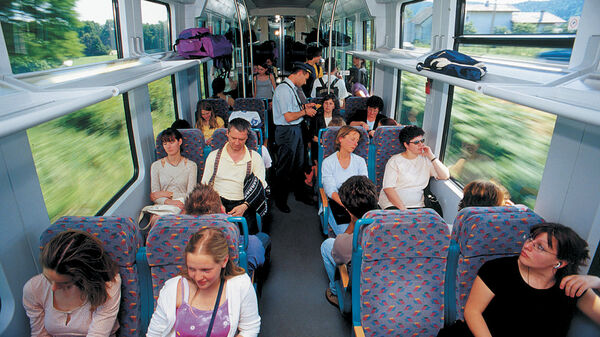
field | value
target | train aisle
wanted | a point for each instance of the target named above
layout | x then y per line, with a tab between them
293	297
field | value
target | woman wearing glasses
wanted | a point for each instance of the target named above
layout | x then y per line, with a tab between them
407	173
535	293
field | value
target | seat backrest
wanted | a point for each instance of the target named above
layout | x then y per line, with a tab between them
219	138
402	273
385	144
167	239
352	104
221	107
483	234
251	104
327	144
121	240
192	148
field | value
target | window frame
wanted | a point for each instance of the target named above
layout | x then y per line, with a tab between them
170	28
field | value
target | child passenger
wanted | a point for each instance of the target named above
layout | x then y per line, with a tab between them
78	292
210	289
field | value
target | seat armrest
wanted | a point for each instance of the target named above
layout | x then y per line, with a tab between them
344	275
324	199
358	331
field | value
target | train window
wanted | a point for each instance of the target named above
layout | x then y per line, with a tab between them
156	27
368	44
416	25
489	138
410	106
82	159
523	31
349	33
54	34
162	104
202	81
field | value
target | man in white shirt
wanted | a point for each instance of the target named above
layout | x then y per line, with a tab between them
336	84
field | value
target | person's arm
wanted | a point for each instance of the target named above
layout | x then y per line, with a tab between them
156	195
292	116
394	198
589	304
328	176
249	323
478	300
167	301
441	171
258	168
272	77
255	78
192	177
104	317
209	167
34	308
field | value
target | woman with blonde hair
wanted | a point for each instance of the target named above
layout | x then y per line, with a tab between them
212	296
78	292
206	119
340	166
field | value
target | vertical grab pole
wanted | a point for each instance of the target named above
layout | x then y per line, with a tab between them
237	9
329	51
251	52
319	25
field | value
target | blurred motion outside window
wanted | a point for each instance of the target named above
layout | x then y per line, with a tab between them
510	18
410	106
156	27
162	104
46	34
416	25
368	45
82	159
489	138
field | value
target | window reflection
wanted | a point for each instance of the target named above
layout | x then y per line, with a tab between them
410	106
162	104
156	27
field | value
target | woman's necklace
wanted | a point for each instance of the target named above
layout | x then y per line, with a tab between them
177	161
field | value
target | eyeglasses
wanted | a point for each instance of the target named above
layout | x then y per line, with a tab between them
416	142
536	246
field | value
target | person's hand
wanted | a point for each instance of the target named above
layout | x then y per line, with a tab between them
238	210
427	153
310	111
576	285
508	202
315	139
174	203
372	133
161	194
311	105
208	141
365	126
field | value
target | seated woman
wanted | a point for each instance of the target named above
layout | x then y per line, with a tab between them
212	293
173	177
78	292
207	121
340	166
218	87
483	193
321	120
205	200
535	293
407	173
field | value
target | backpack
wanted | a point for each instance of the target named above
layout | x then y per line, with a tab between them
199	42
322	90
453	63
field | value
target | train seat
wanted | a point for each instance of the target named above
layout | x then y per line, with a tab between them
326	148
398	266
384	144
192	148
221	107
481	234
121	240
254	104
352	104
168	237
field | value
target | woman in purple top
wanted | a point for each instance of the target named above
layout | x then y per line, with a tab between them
186	303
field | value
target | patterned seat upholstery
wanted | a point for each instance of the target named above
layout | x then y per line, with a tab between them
168	237
402	263
220	105
352	104
326	148
481	234
192	148
121	240
385	144
219	139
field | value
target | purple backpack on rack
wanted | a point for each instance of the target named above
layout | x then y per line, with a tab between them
199	42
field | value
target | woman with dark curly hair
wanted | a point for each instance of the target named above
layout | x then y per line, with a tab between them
78	292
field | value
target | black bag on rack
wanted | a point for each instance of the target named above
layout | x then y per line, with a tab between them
453	63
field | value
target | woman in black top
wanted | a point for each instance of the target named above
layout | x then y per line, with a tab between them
535	293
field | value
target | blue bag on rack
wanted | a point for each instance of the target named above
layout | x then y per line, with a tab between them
453	63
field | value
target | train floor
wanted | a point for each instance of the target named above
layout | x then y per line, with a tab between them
293	300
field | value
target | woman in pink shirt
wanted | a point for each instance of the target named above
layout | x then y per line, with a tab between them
78	292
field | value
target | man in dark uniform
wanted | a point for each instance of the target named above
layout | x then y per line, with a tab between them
288	114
